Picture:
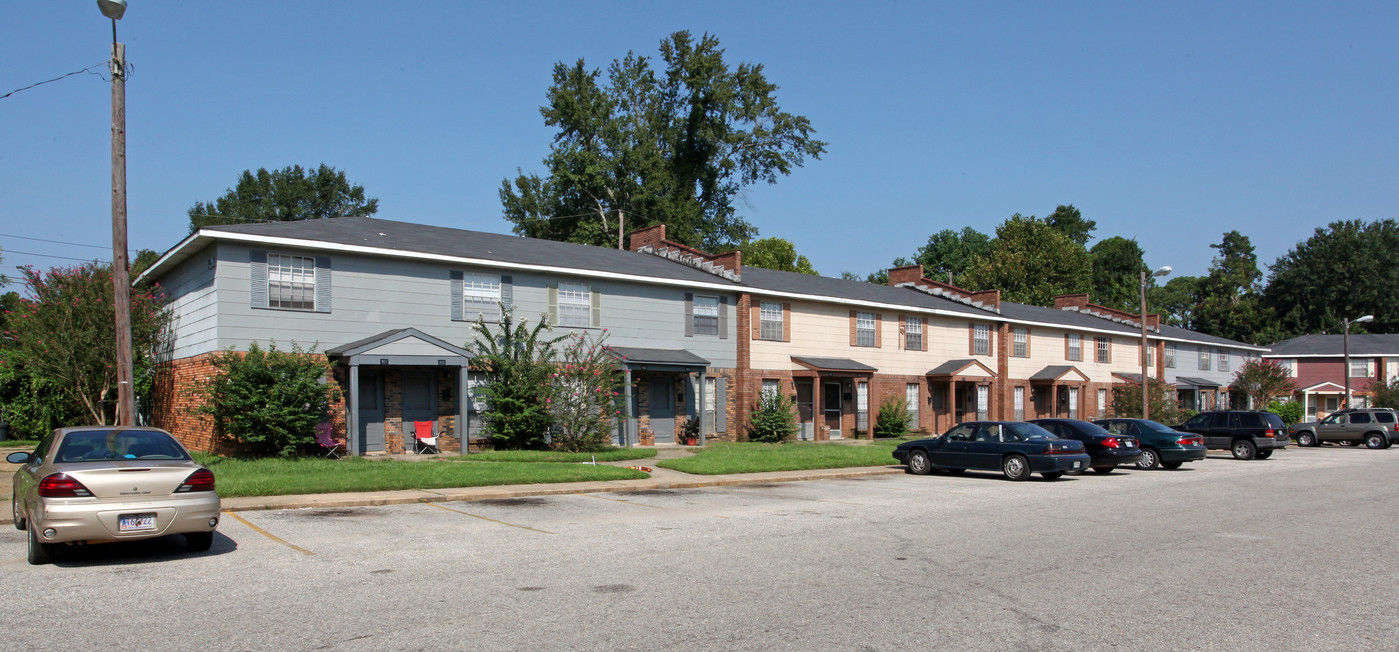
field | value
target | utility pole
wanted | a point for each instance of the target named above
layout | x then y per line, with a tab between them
121	281
621	219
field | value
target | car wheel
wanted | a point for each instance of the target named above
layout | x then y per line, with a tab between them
1016	467
1306	439
1149	460
1171	465
1374	441
199	541
1104	469
38	553
19	520
1244	450
955	471
1052	475
918	463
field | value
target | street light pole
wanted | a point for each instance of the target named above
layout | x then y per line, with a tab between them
121	281
1345	343
1146	406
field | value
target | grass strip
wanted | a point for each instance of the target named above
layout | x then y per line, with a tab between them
277	476
609	455
725	457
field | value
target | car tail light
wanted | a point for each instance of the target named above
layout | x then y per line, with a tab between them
1111	442
1059	448
1270	433
201	480
1191	441
62	485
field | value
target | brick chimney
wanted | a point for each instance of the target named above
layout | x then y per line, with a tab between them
651	235
1063	301
988	298
732	261
906	274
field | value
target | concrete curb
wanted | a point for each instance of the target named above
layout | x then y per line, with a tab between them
660	479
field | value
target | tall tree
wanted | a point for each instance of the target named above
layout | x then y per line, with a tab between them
1263	380
775	253
1031	262
1230	304
676	145
1069	221
948	253
1344	270
1117	268
1176	300
286	195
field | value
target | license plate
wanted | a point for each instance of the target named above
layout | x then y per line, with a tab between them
1078	465
135	522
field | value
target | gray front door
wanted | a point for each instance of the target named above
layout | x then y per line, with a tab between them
419	400
661	408
370	404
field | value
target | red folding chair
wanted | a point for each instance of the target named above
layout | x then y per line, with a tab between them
326	440
424	439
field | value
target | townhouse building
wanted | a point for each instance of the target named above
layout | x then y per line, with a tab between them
1317	366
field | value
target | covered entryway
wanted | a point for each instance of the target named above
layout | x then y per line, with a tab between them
835	386
961	391
1324	398
1199	394
396	378
1061	386
665	389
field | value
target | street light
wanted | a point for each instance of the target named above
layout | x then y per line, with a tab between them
1345	342
121	281
1160	271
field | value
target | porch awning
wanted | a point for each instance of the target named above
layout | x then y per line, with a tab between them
1325	387
834	365
1185	382
1061	373
401	347
959	370
639	359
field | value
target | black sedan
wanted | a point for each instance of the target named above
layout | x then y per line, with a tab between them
1107	449
1016	449
1160	445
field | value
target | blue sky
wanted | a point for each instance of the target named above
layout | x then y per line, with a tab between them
1170	123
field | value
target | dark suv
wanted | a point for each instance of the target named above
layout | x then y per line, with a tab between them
1248	434
1374	426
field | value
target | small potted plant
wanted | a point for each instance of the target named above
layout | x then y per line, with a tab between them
690	435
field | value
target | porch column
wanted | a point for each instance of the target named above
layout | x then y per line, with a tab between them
818	416
463	429
628	424
700	407
952	403
352	412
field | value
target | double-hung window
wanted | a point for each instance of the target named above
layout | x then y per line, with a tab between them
913	333
480	297
981	339
1204	359
706	315
771	387
1074	347
575	305
770	321
864	329
291	282
1223	357
1170	356
1359	367
1020	342
1104	349
711	394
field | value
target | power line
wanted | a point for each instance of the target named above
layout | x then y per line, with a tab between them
31	253
75	72
74	244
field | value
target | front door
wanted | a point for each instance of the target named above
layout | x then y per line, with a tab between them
661	409
370	406
830	404
806	410
419	402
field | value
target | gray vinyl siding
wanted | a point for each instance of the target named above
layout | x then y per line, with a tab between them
1188	363
190	291
373	295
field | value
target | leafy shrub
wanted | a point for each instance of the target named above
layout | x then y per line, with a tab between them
268	402
1290	411
1385	393
517	363
33	405
775	419
893	418
585	397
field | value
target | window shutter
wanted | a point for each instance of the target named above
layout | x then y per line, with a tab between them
507	291
322	284
854	340
457	281
721	414
597	309
971	339
553	292
1066	346
903	333
755	318
878	330
257	275
786	322
692	411
689	314
927	333
723	318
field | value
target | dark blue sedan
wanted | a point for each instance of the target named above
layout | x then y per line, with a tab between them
1016	449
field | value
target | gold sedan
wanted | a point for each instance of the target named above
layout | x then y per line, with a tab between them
100	484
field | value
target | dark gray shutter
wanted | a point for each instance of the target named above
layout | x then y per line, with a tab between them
721	415
257	275
507	290
322	284
723	318
691	410
689	315
458	279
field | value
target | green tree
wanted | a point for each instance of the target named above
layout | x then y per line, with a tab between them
1127	402
286	195
1230	301
676	145
1031	262
948	253
518	363
1342	270
1385	392
775	419
775	253
1117	268
1263	380
1176	300
267	401
1069	221
66	332
585	398
32	404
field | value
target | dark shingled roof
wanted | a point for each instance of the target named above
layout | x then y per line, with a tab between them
1054	372
1187	381
393	336
639	355
1364	344
832	364
953	366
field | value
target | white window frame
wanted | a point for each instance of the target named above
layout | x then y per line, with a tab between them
1073	402
291	282
771	387
711	402
770	321
1102	403
704	315
1204	362
1075	352
864	329
1355	364
1170	355
862	406
913	333
1019	403
1222	359
912	394
981	339
1102	350
575	305
1020	342
480	296
1290	365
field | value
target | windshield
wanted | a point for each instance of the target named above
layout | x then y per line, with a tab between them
1153	426
101	445
1029	431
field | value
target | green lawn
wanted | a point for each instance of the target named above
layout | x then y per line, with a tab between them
12	445
719	458
275	476
610	455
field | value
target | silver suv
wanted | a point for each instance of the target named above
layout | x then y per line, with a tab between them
1374	426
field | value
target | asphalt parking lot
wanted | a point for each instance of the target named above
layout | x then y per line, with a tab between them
1289	553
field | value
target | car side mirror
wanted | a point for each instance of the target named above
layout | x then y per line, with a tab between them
21	457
